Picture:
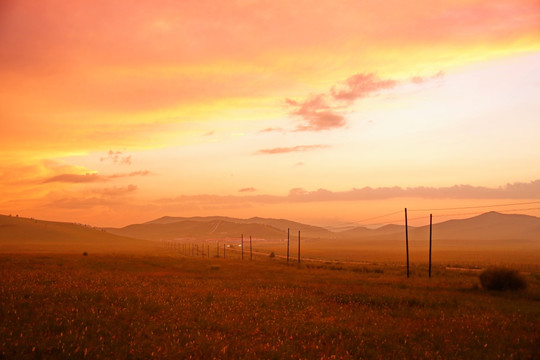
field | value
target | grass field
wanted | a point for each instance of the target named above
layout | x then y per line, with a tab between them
171	306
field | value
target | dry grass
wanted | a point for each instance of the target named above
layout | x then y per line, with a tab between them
135	306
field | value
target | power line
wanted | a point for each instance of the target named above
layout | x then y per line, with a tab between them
435	215
478	207
479	213
362	222
377	217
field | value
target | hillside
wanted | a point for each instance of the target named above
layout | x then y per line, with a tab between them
194	229
487	226
219	227
28	235
308	231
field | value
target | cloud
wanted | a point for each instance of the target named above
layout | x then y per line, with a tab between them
300	148
133	173
75	178
116	191
271	129
316	114
209	133
360	86
117	158
422	79
91	177
324	111
518	190
248	189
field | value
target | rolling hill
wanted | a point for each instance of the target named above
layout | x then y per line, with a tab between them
484	227
219	227
19	234
489	229
280	224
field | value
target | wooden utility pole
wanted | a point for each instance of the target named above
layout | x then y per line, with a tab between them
250	249
288	236
430	235
298	246
407	241
224	245
242	246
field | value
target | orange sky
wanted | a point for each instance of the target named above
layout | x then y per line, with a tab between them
329	112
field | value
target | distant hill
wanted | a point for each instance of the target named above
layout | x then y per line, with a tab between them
484	227
198	229
488	226
19	234
219	227
29	235
309	231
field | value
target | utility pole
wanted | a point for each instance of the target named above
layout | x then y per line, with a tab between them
430	235
407	241
250	249
288	236
242	246
298	246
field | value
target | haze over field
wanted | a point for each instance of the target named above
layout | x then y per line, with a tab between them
325	112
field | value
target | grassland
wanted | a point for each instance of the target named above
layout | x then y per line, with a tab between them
170	306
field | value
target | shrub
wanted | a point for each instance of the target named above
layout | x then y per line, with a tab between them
499	278
272	255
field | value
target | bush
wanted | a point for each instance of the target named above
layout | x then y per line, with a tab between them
272	255
499	278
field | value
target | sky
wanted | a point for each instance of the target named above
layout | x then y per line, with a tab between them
330	112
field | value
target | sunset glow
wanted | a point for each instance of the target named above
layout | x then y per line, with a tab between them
327	112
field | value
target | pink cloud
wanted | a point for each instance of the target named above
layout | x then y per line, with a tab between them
271	129
360	86
117	158
316	114
300	148
322	111
75	178
422	79
133	173
90	178
519	190
248	189
116	191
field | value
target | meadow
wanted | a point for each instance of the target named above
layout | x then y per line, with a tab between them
170	306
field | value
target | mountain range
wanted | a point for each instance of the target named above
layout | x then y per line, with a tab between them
487	226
